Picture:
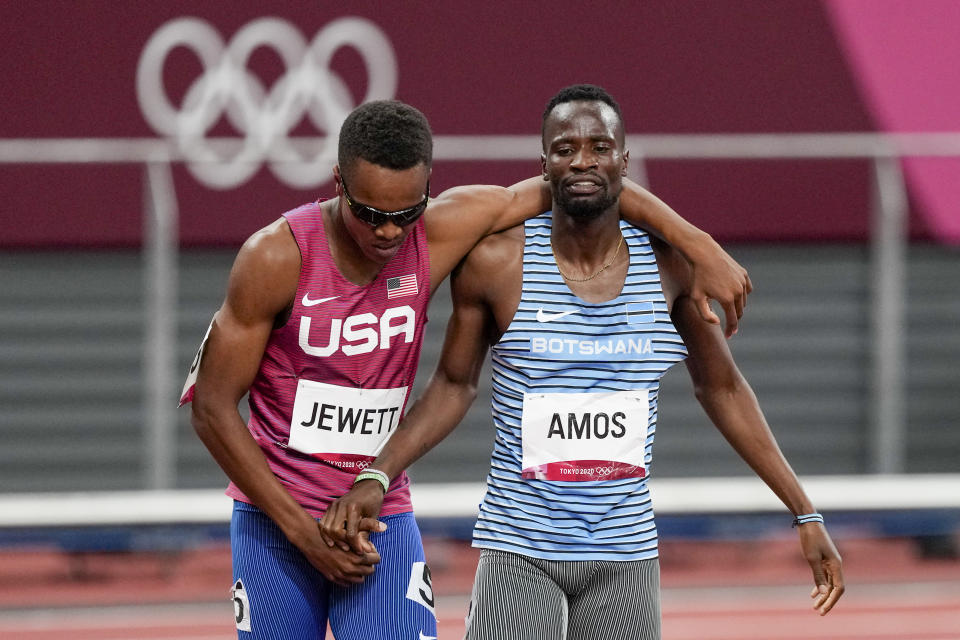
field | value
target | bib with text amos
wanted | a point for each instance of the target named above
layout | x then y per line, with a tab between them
576	437
344	426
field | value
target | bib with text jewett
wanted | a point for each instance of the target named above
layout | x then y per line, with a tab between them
345	426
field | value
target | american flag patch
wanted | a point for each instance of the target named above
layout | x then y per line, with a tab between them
402	286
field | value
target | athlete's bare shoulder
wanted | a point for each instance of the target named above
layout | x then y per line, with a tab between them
460	217
465	214
273	244
455	220
498	249
265	274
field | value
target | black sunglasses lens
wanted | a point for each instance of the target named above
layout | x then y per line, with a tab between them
371	216
376	218
403	218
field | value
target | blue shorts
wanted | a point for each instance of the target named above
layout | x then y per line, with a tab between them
278	594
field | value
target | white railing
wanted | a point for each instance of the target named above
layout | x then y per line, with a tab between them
671	496
888	243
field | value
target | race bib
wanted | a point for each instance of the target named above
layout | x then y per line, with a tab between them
241	606
420	587
576	437
186	394
344	425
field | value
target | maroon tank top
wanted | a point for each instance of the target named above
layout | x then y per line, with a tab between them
334	380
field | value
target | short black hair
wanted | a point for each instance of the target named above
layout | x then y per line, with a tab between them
388	133
576	92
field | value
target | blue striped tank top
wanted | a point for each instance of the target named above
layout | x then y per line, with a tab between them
575	409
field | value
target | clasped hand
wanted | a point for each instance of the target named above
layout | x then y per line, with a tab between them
350	519
338	546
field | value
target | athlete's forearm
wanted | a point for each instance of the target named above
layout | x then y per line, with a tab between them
734	410
431	419
225	435
716	274
732	406
737	415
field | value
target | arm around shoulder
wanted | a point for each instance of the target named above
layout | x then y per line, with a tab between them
716	275
460	217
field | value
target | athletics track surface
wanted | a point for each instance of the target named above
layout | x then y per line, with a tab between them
711	591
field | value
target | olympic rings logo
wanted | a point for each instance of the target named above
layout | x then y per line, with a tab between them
308	87
606	470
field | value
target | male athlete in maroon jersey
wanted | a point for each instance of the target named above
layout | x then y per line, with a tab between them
344	362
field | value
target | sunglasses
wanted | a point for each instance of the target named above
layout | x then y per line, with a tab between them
375	217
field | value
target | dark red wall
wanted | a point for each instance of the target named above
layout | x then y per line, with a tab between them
677	66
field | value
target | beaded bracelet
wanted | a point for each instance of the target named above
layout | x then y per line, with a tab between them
805	519
374	474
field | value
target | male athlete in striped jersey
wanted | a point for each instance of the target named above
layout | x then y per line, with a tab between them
579	321
322	324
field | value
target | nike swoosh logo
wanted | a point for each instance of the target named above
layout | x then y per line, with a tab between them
423	637
307	302
550	317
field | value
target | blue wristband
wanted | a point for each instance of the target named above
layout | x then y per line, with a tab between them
806	519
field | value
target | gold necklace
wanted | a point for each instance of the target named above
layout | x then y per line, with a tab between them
601	270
